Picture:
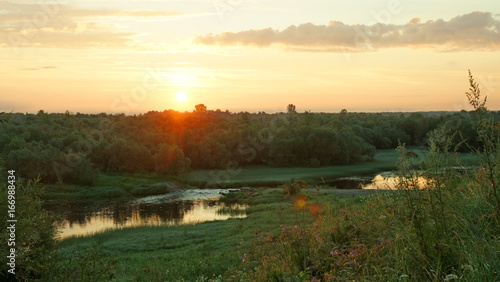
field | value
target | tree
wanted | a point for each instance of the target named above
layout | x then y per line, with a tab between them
171	160
291	109
3	118
35	243
200	108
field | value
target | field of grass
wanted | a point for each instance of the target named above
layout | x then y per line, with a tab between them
113	185
449	232
193	251
126	186
274	176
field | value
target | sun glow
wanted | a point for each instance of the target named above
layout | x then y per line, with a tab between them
181	97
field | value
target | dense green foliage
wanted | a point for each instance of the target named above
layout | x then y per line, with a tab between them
35	232
72	148
441	223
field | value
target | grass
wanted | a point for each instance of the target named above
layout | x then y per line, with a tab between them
112	185
189	252
255	176
376	237
116	185
275	176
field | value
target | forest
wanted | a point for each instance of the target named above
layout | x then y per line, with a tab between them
72	148
440	223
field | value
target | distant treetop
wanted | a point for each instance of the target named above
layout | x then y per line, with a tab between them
200	108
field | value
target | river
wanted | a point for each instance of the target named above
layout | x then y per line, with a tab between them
176	208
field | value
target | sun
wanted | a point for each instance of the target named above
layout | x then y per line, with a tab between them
181	97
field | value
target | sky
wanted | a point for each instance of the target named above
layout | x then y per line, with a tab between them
247	55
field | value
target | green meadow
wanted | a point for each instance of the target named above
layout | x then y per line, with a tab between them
296	234
275	176
191	252
442	223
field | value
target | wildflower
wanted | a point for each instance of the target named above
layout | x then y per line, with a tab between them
334	252
450	277
467	267
243	258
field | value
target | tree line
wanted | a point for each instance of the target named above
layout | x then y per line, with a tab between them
73	148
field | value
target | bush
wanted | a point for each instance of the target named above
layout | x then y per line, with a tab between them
35	233
294	187
146	190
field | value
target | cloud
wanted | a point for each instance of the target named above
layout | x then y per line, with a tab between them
39	68
473	31
14	12
52	25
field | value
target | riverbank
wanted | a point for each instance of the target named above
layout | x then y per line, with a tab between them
316	233
127	186
116	186
258	176
200	251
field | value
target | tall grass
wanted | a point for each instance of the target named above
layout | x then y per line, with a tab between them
440	225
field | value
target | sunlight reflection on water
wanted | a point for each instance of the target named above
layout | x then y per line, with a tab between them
179	208
382	181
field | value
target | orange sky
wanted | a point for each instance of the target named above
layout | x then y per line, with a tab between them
136	56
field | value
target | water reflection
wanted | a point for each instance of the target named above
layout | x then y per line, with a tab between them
382	181
189	207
